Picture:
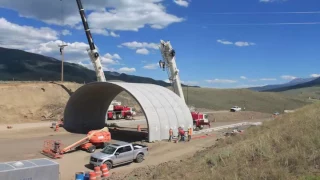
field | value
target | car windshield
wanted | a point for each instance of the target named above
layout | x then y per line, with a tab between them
108	150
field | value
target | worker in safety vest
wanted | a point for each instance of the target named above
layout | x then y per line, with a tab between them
189	134
181	134
170	135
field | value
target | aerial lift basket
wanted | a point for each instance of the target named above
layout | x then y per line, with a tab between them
51	148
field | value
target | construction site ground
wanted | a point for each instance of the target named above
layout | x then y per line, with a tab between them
25	141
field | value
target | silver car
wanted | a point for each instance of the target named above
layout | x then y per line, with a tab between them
119	153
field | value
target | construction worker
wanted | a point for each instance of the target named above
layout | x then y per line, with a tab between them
189	134
181	134
170	135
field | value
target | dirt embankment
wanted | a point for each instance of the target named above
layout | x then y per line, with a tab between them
22	102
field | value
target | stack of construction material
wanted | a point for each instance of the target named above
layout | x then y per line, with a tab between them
35	169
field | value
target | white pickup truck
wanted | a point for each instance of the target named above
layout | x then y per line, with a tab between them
235	109
119	153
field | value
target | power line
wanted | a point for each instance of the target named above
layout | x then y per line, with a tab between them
261	24
244	13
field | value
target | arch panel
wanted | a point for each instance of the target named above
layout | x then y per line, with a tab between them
87	107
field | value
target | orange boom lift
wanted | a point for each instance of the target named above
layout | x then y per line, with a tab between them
94	139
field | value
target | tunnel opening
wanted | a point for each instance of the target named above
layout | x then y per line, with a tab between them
87	108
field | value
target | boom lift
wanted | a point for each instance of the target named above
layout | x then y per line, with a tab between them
94	139
169	63
92	51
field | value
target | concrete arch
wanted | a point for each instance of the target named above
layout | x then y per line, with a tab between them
87	107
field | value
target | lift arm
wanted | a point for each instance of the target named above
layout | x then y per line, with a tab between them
169	62
93	52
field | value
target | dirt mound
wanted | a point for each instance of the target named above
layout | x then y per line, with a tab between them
22	102
237	116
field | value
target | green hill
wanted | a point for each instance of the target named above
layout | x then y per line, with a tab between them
24	66
223	99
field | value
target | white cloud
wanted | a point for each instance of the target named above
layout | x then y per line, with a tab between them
127	70
238	43
315	75
136	45
110	59
220	81
190	83
243	77
224	42
111	15
242	44
75	52
24	37
142	51
66	32
183	3
113	34
288	77
269	1
151	66
250	85
268	79
100	31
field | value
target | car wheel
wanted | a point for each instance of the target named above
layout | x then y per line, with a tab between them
139	158
109	164
91	149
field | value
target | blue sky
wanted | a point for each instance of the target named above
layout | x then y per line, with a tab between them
212	49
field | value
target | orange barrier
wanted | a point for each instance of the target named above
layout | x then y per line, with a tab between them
105	171
98	172
92	176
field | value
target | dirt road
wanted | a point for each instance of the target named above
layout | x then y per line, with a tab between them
20	144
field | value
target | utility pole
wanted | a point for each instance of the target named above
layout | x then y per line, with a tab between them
62	58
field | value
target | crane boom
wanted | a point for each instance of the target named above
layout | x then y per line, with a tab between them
92	51
169	62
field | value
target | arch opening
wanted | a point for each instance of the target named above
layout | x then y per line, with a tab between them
87	107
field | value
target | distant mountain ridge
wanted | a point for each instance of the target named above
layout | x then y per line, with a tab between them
313	83
25	66
294	82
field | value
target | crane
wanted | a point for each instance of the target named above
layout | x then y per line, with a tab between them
92	51
169	63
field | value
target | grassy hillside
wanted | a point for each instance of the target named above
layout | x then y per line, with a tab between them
305	93
44	101
222	99
286	148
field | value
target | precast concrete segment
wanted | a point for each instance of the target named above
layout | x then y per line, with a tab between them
87	107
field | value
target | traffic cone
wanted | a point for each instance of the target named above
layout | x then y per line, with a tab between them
92	176
57	128
97	172
105	171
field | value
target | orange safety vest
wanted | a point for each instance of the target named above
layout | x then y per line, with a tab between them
171	132
190	131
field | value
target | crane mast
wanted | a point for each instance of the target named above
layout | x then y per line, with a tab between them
92	51
169	63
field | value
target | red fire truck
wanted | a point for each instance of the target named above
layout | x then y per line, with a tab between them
117	111
199	120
